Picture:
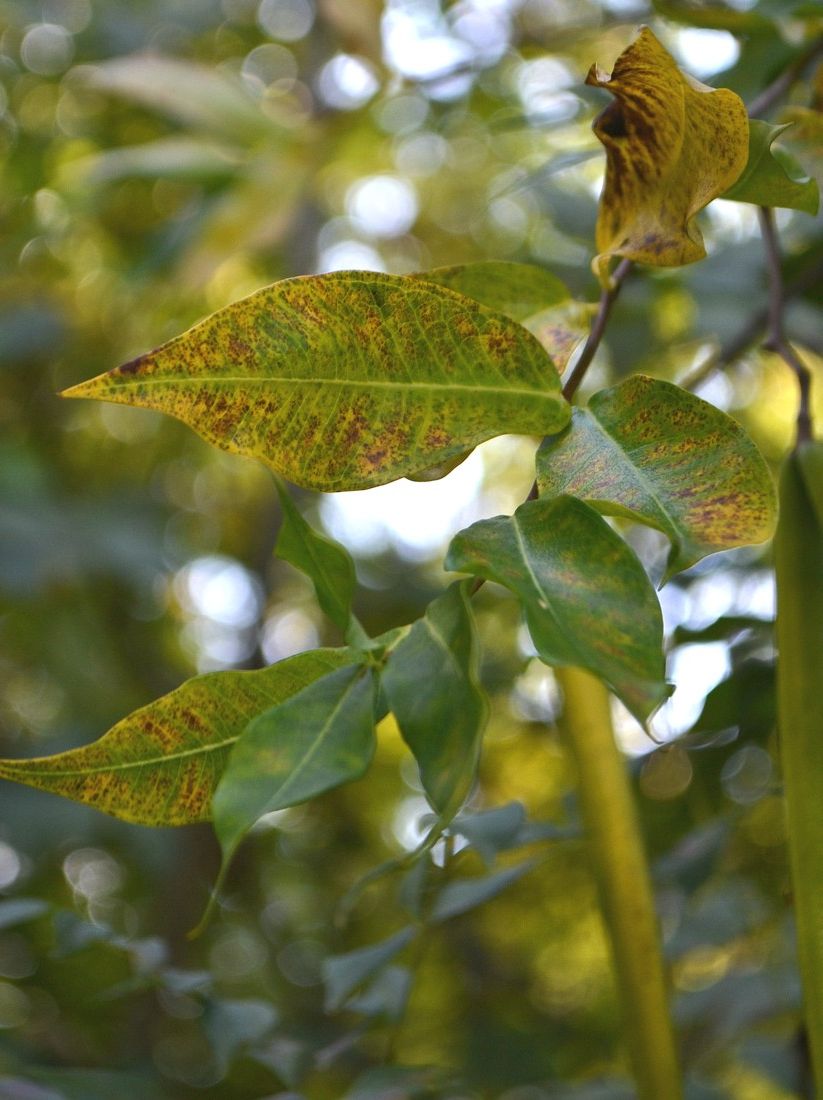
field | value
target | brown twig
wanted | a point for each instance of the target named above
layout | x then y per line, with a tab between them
775	334
607	299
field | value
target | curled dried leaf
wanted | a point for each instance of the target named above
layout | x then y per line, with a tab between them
672	145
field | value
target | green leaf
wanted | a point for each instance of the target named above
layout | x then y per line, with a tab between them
347	380
316	740
161	764
325	562
430	684
458	897
713	17
342	974
773	177
518	290
234	1025
197	95
651	451
587	599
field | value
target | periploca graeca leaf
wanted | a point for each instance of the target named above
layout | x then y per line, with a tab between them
672	145
430	684
653	452
587	599
347	380
161	764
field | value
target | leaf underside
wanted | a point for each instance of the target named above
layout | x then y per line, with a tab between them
347	380
672	145
587	599
431	686
651	451
161	764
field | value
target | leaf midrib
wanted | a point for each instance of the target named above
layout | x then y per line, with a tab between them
23	766
355	383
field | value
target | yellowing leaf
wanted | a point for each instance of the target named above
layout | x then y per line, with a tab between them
349	379
672	145
161	764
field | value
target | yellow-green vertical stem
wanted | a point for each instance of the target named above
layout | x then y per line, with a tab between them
625	887
798	552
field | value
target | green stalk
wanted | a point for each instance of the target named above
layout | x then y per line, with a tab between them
624	883
798	550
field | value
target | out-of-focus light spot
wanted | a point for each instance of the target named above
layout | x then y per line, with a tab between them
486	32
382	206
220	589
415	45
92	873
236	954
535	695
270	65
666	773
300	962
347	82
14	1006
286	633
74	15
748	775
402	114
539	83
350	256
421	154
9	865
407	824
732	222
286	20
704	52
695	670
47	49
416	519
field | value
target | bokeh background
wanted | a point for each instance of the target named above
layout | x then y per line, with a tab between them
159	160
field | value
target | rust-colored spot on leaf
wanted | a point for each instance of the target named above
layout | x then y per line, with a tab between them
672	145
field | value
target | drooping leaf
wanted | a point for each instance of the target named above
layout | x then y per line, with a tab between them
347	380
587	599
491	831
430	683
317	739
161	764
342	974
465	894
672	145
328	564
651	451
518	290
773	178
387	995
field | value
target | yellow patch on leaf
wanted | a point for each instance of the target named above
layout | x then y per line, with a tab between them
672	145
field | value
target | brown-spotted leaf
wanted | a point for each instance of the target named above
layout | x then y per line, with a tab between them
161	764
651	451
347	380
672	145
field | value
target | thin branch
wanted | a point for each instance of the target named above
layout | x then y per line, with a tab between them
775	91
607	299
775	334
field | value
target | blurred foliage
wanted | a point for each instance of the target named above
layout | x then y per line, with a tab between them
160	160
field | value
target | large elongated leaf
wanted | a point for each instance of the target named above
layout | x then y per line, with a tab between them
656	453
672	145
346	380
161	765
325	562
587	599
518	290
430	684
317	739
771	179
